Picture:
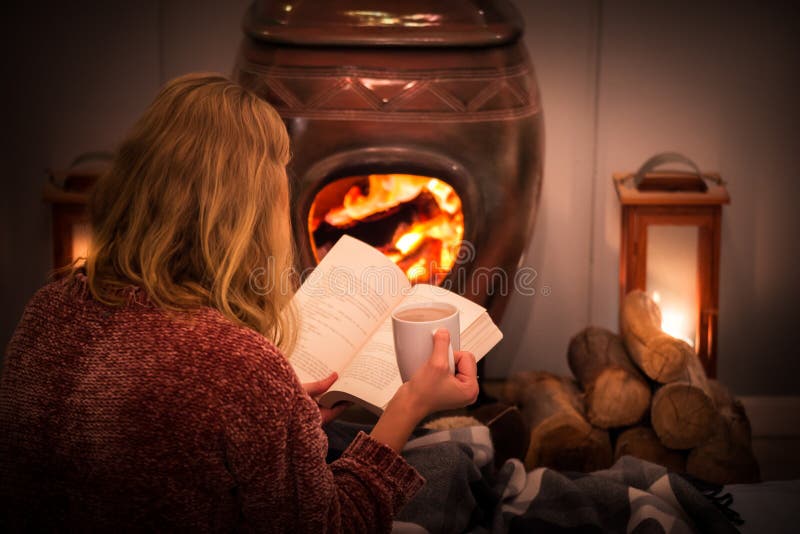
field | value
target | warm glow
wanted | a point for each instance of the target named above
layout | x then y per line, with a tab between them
409	241
676	324
417	271
385	191
671	277
675	319
417	221
81	237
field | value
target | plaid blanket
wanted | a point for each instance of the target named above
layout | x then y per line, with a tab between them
464	494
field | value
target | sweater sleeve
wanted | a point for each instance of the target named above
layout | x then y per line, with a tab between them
275	449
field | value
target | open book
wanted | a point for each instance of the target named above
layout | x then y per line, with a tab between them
344	310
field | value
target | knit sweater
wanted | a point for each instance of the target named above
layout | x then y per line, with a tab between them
131	417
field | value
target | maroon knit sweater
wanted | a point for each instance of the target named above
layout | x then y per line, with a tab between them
130	417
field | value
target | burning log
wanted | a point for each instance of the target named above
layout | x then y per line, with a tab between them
416	221
616	392
378	228
660	356
418	263
642	442
561	437
683	411
727	457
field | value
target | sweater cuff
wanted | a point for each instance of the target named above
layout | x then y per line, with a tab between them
386	461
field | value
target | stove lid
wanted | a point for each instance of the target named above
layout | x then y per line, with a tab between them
440	23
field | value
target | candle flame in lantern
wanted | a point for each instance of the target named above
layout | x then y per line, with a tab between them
81	239
422	245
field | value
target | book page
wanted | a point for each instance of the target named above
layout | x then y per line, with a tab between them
481	336
373	374
339	306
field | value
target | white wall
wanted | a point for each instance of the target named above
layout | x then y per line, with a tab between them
562	40
620	80
714	80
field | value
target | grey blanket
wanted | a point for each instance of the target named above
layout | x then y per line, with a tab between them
462	494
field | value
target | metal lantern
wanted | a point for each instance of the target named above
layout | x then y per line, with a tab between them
68	193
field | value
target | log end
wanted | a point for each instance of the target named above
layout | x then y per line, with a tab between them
682	415
617	399
569	445
727	456
665	358
642	442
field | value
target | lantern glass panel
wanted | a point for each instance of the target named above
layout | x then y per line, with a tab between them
672	265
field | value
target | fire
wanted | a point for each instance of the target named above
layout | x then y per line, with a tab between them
385	191
417	221
409	241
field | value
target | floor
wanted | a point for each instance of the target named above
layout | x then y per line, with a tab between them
778	457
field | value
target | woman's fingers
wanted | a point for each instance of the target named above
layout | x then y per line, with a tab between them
465	364
329	414
315	389
441	344
467	374
320	386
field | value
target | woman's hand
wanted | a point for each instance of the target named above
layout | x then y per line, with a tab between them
315	389
432	388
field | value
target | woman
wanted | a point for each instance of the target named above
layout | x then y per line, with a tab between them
150	389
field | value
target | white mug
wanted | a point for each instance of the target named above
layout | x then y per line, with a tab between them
414	325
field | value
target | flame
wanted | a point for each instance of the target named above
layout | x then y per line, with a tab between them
409	241
417	271
385	191
81	239
425	245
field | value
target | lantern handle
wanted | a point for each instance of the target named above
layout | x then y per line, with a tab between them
98	155
670	157
59	177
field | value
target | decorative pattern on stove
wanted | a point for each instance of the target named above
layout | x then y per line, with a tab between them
349	93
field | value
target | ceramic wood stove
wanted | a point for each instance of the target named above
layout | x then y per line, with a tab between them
416	126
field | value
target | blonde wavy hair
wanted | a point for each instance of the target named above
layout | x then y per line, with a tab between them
196	202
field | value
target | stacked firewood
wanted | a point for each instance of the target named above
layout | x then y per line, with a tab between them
642	393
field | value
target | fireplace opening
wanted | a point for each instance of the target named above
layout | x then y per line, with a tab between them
416	221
